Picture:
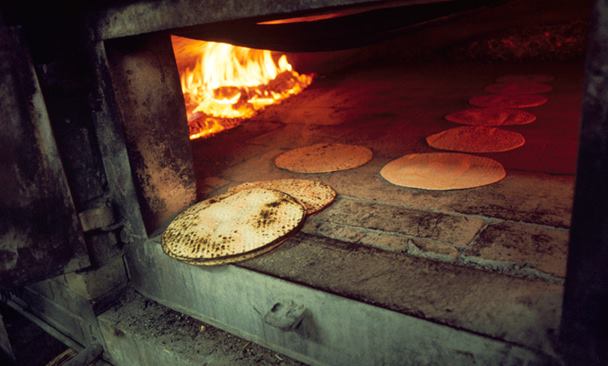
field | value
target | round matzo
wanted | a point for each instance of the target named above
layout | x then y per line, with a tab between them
508	101
324	158
235	258
232	224
539	78
520	87
491	117
476	139
312	194
443	171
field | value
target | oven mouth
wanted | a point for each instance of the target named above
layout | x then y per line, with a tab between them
388	96
430	148
392	108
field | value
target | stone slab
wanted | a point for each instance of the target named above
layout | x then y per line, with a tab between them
514	248
539	247
456	230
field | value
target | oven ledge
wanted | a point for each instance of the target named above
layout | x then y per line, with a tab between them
322	301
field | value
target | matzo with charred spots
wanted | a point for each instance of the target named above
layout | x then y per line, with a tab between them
324	158
235	258
491	117
312	194
232	224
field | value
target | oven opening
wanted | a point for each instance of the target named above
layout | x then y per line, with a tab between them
472	139
401	100
461	200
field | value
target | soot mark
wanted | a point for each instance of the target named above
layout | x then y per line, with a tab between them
266	218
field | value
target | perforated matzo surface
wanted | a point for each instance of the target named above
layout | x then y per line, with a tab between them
324	158
312	194
232	224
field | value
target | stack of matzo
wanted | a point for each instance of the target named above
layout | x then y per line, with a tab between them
311	194
249	220
224	228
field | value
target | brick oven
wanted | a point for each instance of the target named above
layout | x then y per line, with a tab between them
102	155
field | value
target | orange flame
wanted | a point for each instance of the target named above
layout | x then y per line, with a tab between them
224	84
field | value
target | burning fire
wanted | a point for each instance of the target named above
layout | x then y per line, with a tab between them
225	84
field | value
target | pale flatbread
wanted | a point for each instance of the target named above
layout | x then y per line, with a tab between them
491	117
324	158
508	101
233	224
311	194
520	87
539	78
443	171
476	139
235	258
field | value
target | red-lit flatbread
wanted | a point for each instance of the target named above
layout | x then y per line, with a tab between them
443	171
515	78
491	117
476	139
508	101
520	87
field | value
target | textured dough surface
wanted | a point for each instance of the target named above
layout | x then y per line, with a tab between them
232	224
324	158
235	258
476	139
491	117
443	171
508	101
516	78
312	194
520	87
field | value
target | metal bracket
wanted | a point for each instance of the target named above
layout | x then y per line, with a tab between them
285	316
99	218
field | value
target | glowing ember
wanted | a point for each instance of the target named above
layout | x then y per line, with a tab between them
225	84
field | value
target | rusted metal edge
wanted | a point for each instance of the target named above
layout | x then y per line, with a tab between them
143	16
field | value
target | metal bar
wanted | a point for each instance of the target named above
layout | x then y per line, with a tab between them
584	317
113	150
156	136
21	309
145	16
86	356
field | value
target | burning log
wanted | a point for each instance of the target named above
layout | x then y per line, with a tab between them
228	84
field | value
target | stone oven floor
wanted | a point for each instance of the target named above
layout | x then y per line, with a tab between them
490	260
518	226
